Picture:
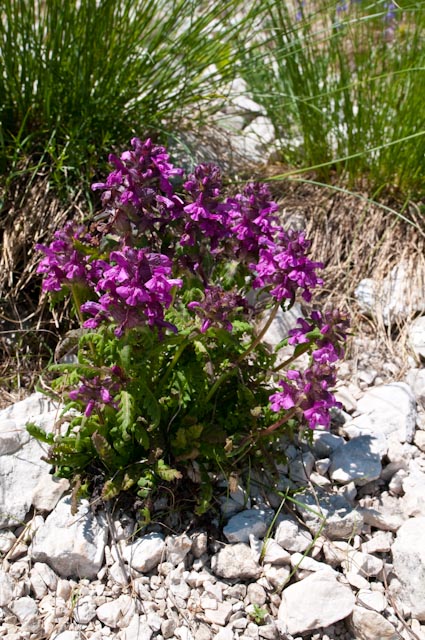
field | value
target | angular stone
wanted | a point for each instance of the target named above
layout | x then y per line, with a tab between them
317	601
413	501
249	522
177	548
117	613
371	625
71	545
365	564
48	492
374	599
20	474
6	589
416	334
42	579
235	561
291	537
325	443
220	615
356	460
274	553
85	610
146	552
408	553
391	408
330	514
302	562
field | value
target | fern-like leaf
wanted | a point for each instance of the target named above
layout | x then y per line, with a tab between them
166	473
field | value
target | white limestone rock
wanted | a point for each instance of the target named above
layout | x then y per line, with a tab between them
416	334
391	408
146	552
357	461
371	625
21	467
6	589
394	298
291	537
177	548
248	522
413	500
117	613
408	552
317	601
71	545
331	514
235	561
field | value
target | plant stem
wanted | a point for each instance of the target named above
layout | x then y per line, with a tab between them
246	353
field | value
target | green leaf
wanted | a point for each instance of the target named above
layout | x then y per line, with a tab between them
150	404
37	432
166	473
104	450
126	414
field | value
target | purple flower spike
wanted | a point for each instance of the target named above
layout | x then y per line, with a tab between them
309	392
285	267
63	263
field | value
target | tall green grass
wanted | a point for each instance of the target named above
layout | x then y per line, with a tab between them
344	85
78	77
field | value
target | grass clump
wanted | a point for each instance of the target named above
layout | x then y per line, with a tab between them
343	84
77	77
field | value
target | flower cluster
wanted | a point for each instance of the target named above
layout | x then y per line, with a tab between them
217	307
173	250
135	289
63	263
309	392
98	391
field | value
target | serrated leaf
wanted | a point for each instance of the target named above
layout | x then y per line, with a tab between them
39	434
150	404
166	473
126	414
104	449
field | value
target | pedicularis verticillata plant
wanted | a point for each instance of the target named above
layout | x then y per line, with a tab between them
170	283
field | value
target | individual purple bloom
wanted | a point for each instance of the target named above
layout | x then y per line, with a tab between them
217	307
98	391
286	268
64	263
134	291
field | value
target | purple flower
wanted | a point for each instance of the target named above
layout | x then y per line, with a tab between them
285	267
134	291
216	308
332	326
98	391
64	263
139	191
309	392
206	216
252	219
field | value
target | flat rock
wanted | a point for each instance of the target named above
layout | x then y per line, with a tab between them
248	522
331	514
235	561
317	601
291	537
391	408
357	461
71	545
408	553
371	625
145	553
